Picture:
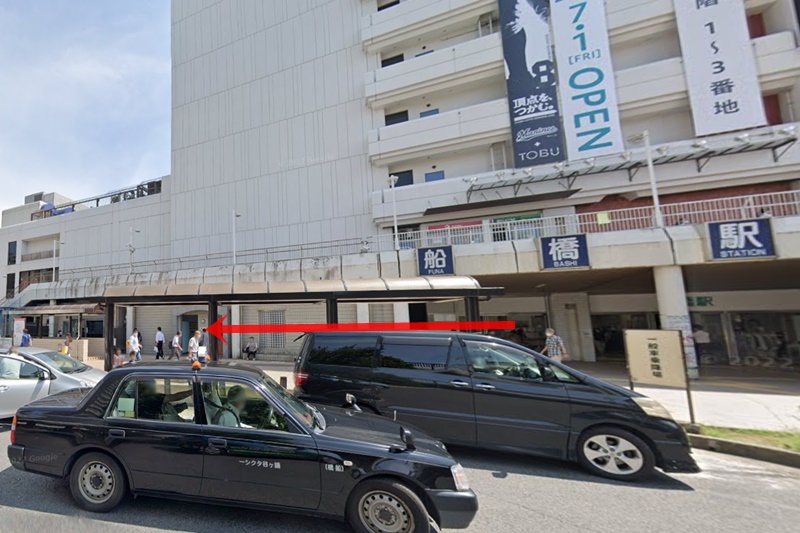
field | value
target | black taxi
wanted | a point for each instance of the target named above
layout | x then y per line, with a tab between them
228	434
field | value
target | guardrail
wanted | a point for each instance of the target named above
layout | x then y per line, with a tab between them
146	188
778	204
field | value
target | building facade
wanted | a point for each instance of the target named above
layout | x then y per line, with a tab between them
307	132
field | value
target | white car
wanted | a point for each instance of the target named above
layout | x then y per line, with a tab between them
36	373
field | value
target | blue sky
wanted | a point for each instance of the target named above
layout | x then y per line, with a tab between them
84	96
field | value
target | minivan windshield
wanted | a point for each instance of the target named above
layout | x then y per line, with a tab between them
304	412
61	362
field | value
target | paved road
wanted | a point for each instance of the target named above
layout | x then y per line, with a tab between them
517	494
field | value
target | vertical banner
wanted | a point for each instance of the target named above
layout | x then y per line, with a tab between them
720	66
586	78
531	81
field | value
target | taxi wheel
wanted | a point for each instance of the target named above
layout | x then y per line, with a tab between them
616	454
97	482
386	506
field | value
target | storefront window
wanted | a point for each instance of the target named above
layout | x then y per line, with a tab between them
709	339
608	332
767	339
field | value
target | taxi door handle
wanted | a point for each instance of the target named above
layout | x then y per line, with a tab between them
459	383
118	433
218	443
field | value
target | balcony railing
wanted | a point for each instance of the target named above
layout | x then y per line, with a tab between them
146	188
47	254
780	204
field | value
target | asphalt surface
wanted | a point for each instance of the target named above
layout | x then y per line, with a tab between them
517	494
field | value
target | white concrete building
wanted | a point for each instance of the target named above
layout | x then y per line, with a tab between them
294	115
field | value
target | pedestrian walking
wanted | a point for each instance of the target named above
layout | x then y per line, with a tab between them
68	345
119	360
194	345
159	344
554	346
177	349
204	338
701	341
26	339
135	344
251	349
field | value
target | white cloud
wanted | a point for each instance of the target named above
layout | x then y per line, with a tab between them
84	97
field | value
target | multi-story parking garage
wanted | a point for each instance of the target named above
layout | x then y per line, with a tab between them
305	133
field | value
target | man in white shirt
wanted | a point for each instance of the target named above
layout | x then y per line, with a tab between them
701	341
159	344
194	346
11	364
177	349
251	349
134	345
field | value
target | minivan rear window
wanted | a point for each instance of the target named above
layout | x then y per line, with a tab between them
343	351
414	356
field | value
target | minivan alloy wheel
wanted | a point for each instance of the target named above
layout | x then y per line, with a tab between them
613	454
381	512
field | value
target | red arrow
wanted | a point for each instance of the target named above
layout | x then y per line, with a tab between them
218	329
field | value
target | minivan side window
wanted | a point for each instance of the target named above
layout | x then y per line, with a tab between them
502	361
343	351
414	356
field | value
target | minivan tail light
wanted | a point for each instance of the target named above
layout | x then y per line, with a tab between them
13	435
300	379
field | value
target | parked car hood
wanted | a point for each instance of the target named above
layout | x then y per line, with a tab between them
91	376
377	430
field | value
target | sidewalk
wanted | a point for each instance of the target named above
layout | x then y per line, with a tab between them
728	397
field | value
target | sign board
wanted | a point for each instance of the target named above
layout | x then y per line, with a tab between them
586	79
743	239
655	357
19	328
567	251
435	261
531	82
720	66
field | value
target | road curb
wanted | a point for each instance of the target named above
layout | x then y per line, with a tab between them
751	451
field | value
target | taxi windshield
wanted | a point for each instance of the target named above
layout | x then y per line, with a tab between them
301	410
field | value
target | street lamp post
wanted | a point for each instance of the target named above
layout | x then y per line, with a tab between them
645	138
131	249
392	184
55	243
234	216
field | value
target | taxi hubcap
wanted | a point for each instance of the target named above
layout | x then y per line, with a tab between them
96	482
613	455
383	513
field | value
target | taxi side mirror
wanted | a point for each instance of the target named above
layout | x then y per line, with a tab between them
408	439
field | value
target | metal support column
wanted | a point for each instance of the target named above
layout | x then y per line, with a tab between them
472	308
108	333
212	340
332	310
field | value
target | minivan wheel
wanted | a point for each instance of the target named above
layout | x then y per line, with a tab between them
615	453
386	506
97	482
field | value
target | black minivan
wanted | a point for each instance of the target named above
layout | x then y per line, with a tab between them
475	390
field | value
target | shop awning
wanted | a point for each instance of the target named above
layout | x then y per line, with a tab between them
418	288
77	309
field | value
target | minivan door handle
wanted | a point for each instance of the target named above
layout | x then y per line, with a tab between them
116	433
459	383
218	443
484	386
